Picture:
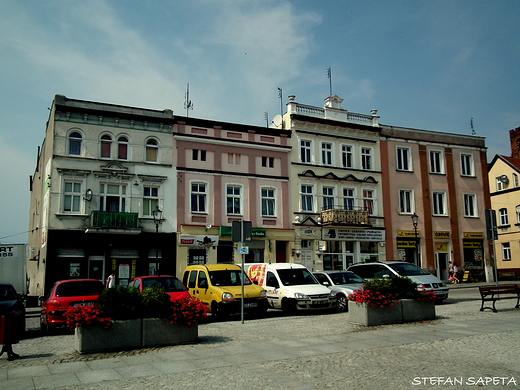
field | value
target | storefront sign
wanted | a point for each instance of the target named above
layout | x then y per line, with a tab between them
185	240
406	244
408	233
475	235
472	244
225	231
354	234
441	247
441	235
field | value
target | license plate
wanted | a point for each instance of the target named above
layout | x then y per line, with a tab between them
77	304
249	305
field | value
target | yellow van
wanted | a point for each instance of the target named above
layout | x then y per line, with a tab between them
220	287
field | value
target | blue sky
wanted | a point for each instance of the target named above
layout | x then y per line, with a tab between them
423	64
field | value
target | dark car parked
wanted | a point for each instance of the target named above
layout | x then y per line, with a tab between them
64	294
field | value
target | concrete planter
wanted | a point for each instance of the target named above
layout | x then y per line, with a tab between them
363	314
130	334
121	335
158	332
417	310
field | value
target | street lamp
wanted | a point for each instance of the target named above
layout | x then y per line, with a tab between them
415	218
157	216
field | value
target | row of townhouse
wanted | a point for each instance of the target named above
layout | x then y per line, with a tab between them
136	192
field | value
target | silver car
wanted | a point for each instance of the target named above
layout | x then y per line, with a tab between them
342	283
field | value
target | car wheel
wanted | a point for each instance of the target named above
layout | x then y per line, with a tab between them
342	302
217	313
43	327
288	305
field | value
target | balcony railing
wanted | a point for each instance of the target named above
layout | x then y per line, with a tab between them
112	220
340	216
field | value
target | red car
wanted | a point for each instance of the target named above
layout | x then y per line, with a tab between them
64	294
171	284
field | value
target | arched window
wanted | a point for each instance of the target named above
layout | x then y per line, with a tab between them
151	150
106	146
122	148
75	143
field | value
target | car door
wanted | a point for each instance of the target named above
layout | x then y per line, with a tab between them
272	289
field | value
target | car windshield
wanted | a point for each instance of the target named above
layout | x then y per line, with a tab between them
228	278
7	293
169	284
345	278
408	269
79	289
296	277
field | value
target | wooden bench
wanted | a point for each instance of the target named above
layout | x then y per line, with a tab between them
497	293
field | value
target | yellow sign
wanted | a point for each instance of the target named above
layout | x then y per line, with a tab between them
406	244
475	235
441	234
407	233
441	247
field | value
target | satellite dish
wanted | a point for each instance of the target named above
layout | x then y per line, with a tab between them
277	121
503	179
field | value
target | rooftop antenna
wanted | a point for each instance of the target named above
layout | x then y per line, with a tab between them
281	103
266	117
329	76
188	105
472	129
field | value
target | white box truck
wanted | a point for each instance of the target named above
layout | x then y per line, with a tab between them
13	266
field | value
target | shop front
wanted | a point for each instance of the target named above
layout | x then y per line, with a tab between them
473	255
408	246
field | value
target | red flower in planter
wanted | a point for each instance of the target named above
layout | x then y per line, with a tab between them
86	315
187	311
372	298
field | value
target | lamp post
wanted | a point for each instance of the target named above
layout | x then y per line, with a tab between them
157	216
415	218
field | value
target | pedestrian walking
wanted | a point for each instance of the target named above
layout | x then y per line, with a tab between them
12	320
111	280
450	271
455	273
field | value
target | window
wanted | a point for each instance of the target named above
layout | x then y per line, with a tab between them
198	197
405	201
113	198
439	203
466	164
326	153
306	198
502	182
368	201
515	180
436	162
150	200
152	148
199	155
106	146
518	214
305	151
403	159
366	158
470	207
328	198
268	162
75	143
72	197
502	215
268	202
233	158
233	199
122	148
506	251
346	156
348	199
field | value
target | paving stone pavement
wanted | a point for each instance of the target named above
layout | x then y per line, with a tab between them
464	348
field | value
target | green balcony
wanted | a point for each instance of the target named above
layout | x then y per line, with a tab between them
111	220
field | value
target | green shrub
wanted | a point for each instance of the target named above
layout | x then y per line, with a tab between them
156	302
121	303
399	287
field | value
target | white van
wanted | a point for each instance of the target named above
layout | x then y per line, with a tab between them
291	287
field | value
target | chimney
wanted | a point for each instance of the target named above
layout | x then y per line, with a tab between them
514	136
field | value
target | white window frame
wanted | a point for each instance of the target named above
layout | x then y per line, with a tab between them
204	195
305	151
366	158
369	200
123	141
105	140
515	180
439	205
470	205
307	197
150	200
503	217
234	197
436	159
268	203
328	197
467	167
406	204
327	155
105	194
347	156
517	209
403	158
499	184
72	197
506	251
76	141
348	197
151	150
